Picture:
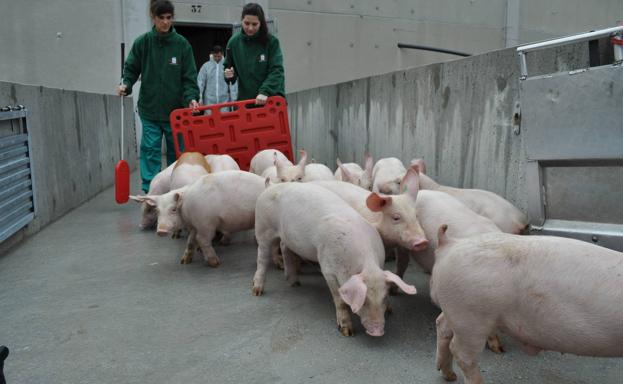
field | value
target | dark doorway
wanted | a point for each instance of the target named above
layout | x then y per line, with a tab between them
203	37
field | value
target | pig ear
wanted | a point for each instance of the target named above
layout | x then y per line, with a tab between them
178	196
346	176
377	203
420	164
442	237
392	278
368	164
150	200
410	184
353	292
303	159
137	198
278	164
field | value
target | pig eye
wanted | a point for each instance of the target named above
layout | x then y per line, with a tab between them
174	209
396	217
299	179
283	180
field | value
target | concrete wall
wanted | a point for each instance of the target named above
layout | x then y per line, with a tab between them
459	116
324	41
75	141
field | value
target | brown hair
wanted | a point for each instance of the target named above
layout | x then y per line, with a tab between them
160	7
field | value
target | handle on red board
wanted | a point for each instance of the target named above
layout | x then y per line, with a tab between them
250	103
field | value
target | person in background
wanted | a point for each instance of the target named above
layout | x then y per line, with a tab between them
256	60
164	61
213	88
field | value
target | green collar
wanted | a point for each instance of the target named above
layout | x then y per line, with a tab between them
163	37
246	37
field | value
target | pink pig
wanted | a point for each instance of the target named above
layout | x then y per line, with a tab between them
485	203
309	221
223	202
549	293
354	174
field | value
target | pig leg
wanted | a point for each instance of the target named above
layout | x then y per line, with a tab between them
344	322
466	346
290	266
444	356
402	261
191	244
204	239
225	239
277	256
494	343
263	261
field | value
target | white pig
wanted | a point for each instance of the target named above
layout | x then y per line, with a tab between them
386	176
220	163
354	174
160	184
284	171
188	168
266	158
549	293
393	216
315	224
223	201
485	203
316	171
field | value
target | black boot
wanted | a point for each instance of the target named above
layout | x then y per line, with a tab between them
4	352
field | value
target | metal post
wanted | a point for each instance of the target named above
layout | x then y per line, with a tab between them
523	66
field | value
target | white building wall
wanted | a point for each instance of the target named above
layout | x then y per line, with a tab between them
324	41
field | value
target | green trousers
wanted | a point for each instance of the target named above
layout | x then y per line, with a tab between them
151	149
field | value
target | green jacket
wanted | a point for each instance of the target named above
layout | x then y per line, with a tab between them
168	73
258	68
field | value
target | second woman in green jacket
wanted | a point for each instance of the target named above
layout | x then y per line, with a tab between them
254	58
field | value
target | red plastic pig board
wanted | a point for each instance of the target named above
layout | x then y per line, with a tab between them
241	133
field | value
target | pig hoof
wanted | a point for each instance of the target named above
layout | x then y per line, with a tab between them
346	331
186	260
214	263
499	349
257	291
449	376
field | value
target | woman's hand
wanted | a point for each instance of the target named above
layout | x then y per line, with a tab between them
261	99
229	73
121	90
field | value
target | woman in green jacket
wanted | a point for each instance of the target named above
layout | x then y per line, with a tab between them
164	61
254	58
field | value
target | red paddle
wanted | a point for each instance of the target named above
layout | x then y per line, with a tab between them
122	171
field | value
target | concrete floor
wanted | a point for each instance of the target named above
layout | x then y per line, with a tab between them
92	299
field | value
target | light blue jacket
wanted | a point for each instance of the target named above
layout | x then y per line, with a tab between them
212	85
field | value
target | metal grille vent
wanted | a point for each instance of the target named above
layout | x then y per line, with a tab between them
17	203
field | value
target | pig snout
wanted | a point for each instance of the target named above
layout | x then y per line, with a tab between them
419	244
374	329
162	232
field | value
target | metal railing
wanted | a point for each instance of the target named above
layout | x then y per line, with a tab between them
587	36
